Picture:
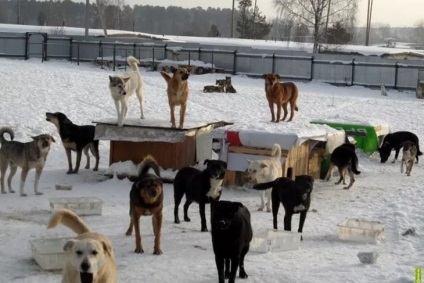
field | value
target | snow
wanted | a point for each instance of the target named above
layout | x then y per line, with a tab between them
380	193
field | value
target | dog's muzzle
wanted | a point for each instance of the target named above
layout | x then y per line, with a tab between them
184	77
45	144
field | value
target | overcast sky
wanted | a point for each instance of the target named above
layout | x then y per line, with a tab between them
396	13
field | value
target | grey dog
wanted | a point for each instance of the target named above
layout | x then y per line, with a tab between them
25	155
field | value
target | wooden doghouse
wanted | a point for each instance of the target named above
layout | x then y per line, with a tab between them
302	154
172	148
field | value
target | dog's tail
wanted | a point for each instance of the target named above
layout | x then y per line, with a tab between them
276	151
133	62
263	186
354	164
4	130
69	219
148	163
166	76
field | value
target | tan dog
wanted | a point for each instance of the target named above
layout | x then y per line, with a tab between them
177	92
90	257
280	94
266	170
146	198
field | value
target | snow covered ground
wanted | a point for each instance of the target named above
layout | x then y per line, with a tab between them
381	193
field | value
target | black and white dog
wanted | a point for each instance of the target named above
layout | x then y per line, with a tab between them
231	236
409	152
198	186
295	196
394	141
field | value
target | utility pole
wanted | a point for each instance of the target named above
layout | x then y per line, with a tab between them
86	16
232	21
368	29
254	18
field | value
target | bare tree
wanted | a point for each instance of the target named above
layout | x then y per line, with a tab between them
100	7
316	14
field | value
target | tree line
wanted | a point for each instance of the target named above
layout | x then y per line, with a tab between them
324	21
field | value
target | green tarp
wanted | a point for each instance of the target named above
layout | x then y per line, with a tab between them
365	135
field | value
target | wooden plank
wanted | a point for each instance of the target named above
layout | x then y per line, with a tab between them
254	151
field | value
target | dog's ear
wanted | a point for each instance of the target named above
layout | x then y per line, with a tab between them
263	165
69	244
224	164
111	79
173	69
249	161
278	76
125	80
189	70
264	76
107	248
206	162
51	137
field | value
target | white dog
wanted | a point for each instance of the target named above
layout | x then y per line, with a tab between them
90	256
122	87
266	170
409	154
383	90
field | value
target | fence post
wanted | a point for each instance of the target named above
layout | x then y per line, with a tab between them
164	51
45	45
153	59
352	77
235	62
312	68
114	55
273	63
134	51
213	67
26	45
189	58
70	49
198	54
396	74
101	50
78	53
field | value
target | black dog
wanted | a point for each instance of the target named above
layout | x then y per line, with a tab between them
75	138
294	195
394	141
231	236
198	186
344	157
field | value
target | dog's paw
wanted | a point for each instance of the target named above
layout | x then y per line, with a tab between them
128	233
177	221
268	209
243	274
204	229
157	251
87	167
3	192
23	195
11	191
139	250
38	194
96	169
261	208
186	219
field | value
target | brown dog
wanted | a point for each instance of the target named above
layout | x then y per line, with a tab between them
280	94
146	198
177	92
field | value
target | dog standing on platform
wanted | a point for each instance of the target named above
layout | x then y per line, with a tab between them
122	87
177	89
